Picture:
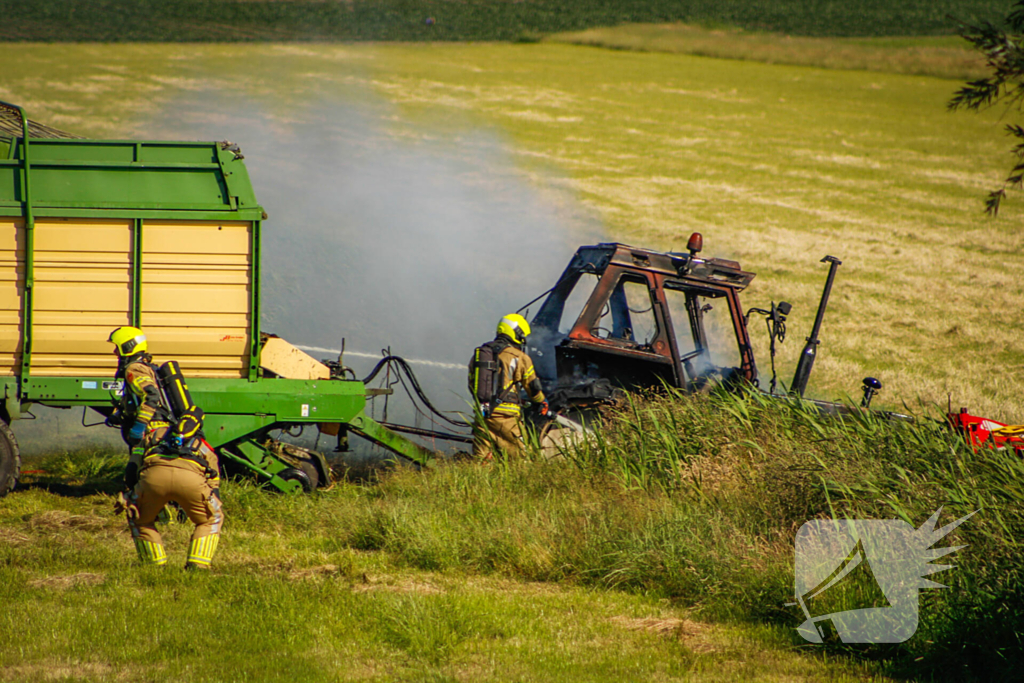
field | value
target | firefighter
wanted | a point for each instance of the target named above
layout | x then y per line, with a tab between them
169	462
499	371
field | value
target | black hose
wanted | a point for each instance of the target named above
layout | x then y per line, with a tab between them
403	366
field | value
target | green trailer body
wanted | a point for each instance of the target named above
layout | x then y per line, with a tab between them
95	234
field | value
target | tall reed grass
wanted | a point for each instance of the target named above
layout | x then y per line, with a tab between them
698	499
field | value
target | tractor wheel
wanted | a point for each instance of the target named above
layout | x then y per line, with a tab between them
299	475
308	468
10	459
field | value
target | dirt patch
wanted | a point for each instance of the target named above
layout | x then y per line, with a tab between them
62	583
59	671
9	536
370	583
61	520
328	571
694	635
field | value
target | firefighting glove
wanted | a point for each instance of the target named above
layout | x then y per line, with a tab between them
125	505
131	475
543	408
137	431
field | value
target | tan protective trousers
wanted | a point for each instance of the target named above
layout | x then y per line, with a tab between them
161	483
501	431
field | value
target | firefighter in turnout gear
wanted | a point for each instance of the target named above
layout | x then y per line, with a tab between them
498	372
169	460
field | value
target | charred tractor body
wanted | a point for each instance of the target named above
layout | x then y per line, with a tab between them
99	234
623	317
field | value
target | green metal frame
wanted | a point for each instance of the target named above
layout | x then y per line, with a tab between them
30	232
136	276
143	180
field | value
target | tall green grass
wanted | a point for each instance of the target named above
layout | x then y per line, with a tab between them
690	500
407	20
698	500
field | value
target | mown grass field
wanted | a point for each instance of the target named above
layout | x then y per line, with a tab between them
940	56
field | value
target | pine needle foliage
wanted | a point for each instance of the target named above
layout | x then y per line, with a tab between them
1003	48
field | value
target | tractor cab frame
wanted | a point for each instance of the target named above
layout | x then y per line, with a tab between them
627	317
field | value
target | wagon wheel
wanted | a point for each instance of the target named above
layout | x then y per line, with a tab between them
308	467
10	459
300	475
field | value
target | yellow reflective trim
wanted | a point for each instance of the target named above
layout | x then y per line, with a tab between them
201	550
139	382
150	553
476	374
528	373
507	409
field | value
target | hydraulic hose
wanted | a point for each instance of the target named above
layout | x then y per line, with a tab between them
404	368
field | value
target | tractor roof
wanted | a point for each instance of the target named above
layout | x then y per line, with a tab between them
714	271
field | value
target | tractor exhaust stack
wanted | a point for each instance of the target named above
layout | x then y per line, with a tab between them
806	364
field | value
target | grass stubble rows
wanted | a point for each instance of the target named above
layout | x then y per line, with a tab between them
660	551
776	165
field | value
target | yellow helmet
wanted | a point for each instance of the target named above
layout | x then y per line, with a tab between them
128	341
515	327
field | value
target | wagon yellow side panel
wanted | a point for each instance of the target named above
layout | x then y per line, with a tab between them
82	291
12	278
197	294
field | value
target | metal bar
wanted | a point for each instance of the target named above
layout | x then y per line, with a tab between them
136	294
29	232
244	462
254	303
103	142
418	431
206	206
747	367
14	209
396	443
834	264
806	363
164	165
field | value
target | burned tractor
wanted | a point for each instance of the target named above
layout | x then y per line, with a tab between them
623	317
